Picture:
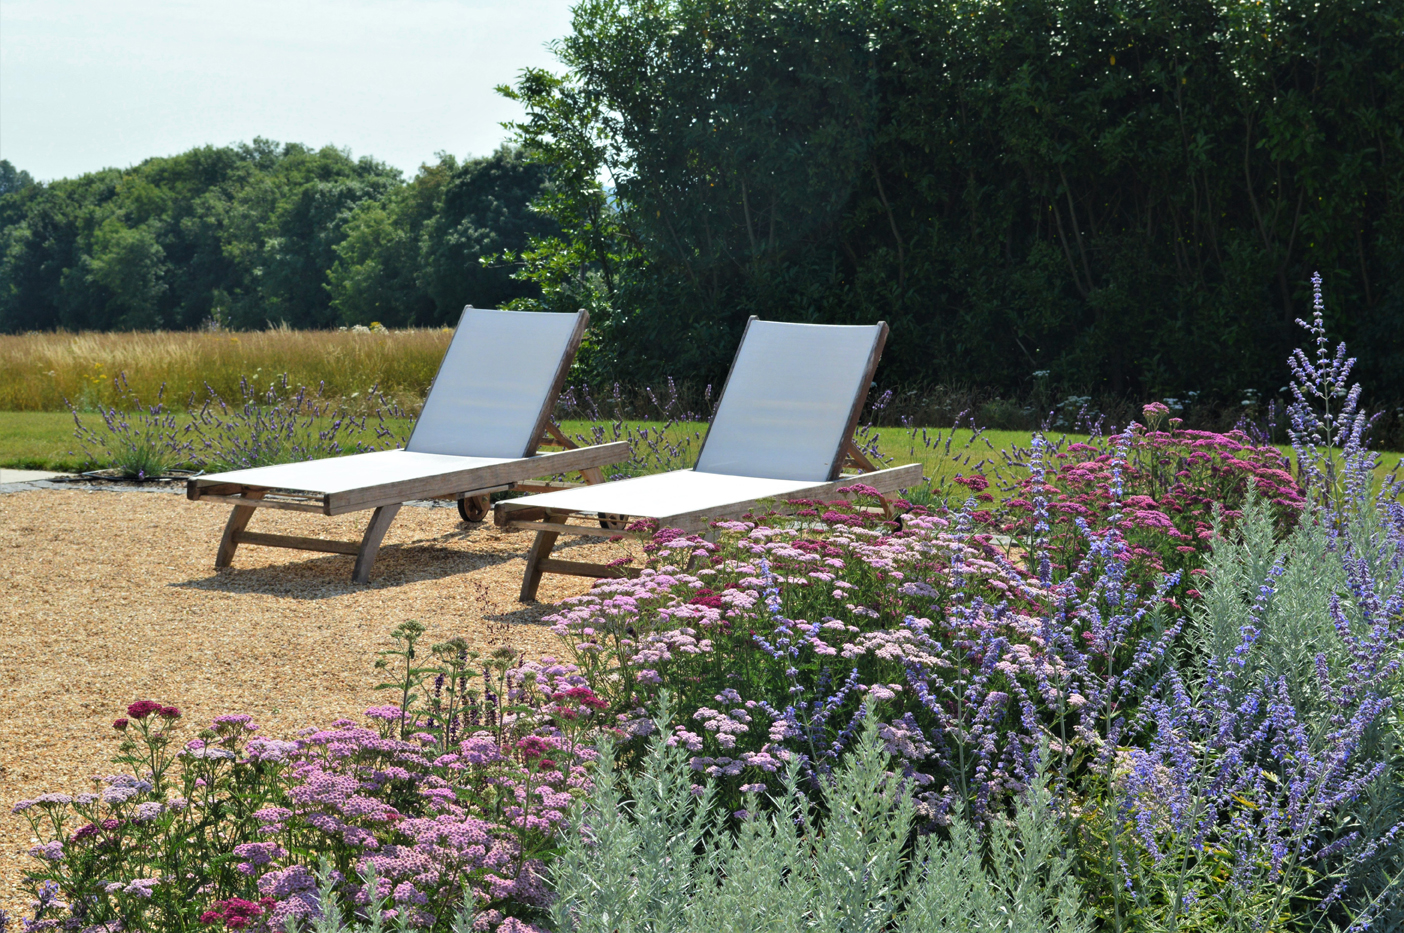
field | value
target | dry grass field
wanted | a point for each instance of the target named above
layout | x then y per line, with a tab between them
38	371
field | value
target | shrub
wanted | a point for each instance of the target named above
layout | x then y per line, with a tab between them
653	854
1164	490
281	424
139	442
1263	786
773	646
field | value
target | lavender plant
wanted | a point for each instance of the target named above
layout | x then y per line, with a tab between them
281	424
278	424
673	445
139	441
654	854
1326	415
1266	784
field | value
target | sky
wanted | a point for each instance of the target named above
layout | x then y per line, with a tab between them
91	84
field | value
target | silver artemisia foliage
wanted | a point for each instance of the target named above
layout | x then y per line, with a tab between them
653	855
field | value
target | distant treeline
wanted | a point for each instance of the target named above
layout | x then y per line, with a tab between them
248	235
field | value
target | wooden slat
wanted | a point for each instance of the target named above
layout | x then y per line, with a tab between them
565	461
595	532
370	543
501	517
534	488
296	543
193	489
475	492
238	520
884	481
267	503
582	569
554	430
858	459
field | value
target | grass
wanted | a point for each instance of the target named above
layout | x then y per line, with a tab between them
43	440
38	371
39	440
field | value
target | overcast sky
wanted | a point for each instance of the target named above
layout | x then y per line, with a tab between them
87	84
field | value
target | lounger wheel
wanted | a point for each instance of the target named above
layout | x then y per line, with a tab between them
473	508
613	522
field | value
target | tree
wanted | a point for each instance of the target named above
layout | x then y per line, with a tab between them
12	179
131	266
377	273
485	211
1129	195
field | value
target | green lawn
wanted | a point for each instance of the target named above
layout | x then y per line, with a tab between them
45	441
40	440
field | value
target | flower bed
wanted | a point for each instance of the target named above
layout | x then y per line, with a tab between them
464	792
1158	690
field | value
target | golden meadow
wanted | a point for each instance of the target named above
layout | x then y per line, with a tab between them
39	371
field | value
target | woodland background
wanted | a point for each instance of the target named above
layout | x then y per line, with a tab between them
1125	198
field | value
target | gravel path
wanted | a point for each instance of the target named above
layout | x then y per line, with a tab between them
108	597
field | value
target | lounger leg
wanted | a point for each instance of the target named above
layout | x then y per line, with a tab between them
370	544
238	521
540	550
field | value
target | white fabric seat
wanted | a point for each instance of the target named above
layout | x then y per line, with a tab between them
355	471
665	495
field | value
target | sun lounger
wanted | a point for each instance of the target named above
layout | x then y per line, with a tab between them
486	413
783	429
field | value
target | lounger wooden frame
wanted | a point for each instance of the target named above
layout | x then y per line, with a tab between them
471	486
549	525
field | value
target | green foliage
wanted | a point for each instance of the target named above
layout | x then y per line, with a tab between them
1129	196
13	179
654	853
1304	617
261	233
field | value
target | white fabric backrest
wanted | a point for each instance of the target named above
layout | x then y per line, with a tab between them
493	384
789	400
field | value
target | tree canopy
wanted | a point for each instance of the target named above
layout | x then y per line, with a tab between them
1121	196
1129	195
263	233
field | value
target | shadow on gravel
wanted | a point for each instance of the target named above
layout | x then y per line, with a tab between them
328	576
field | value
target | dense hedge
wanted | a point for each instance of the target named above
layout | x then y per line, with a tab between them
1129	196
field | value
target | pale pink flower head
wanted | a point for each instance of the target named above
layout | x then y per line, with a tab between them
1154	411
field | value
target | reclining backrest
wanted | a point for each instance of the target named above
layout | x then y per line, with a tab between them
497	383
792	400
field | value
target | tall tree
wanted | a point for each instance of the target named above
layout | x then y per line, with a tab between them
1132	195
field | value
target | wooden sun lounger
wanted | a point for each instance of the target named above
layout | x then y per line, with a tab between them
782	429
486	413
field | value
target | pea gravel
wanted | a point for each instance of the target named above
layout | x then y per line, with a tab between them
107	597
